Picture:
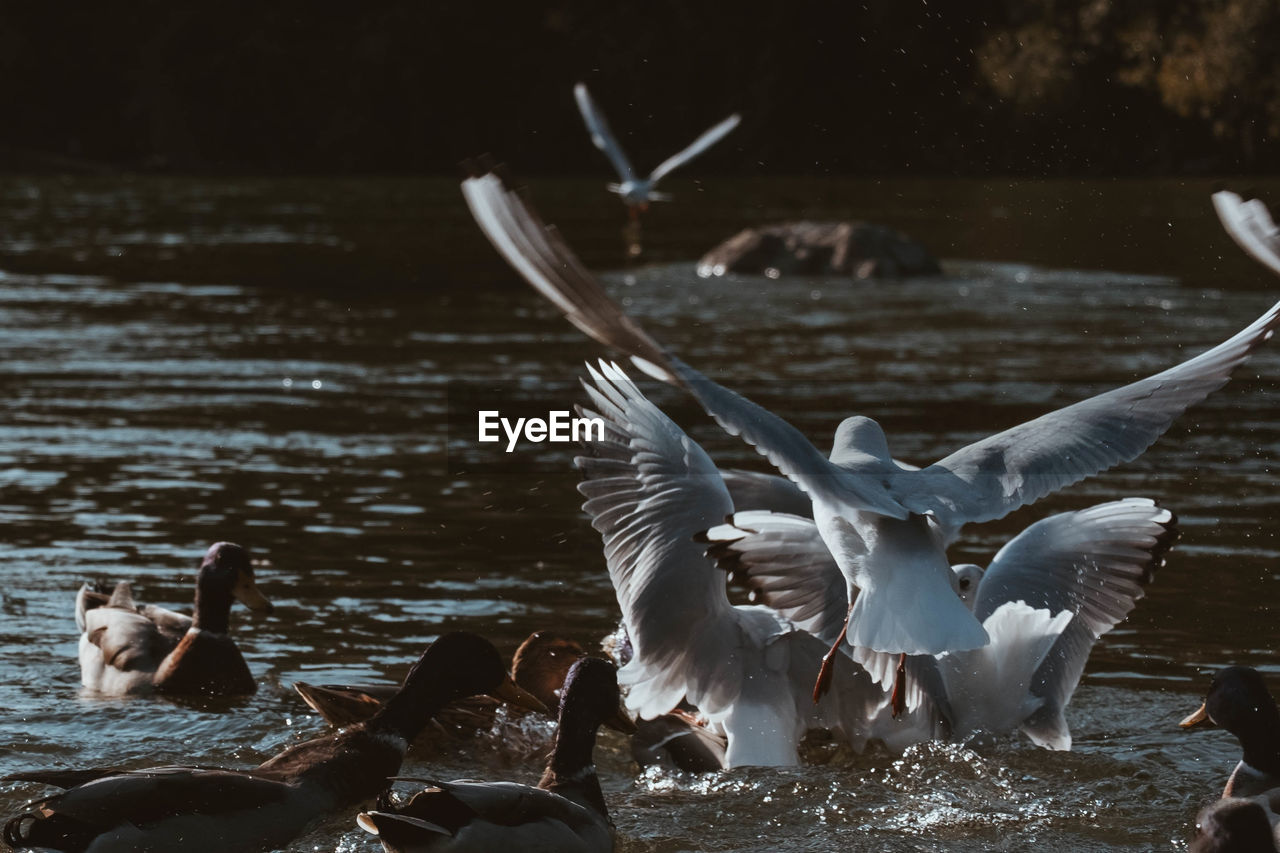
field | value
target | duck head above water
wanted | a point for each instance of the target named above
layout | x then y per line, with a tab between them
1239	702
1233	825
542	664
591	699
456	665
226	573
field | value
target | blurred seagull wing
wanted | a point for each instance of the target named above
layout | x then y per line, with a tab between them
542	257
601	135
702	143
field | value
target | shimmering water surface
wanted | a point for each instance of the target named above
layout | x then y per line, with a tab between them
272	362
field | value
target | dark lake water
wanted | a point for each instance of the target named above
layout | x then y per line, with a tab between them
273	363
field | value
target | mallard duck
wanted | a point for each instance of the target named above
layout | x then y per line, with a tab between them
566	813
1239	702
539	666
637	192
162	809
887	524
1234	825
128	649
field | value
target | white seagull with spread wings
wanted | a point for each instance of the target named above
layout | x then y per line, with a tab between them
886	523
1045	599
654	496
651	491
635	191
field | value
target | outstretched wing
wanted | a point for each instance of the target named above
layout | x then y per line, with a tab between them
541	256
702	143
649	490
994	476
787	566
756	490
601	135
1094	563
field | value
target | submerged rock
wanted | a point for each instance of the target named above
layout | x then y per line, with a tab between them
858	249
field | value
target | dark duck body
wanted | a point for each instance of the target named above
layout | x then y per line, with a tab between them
565	813
1233	825
197	809
539	666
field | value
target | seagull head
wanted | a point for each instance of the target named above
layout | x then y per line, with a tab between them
967	577
859	440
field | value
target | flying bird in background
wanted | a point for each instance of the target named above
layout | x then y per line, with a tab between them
638	192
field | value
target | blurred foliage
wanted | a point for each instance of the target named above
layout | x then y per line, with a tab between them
902	86
1214	64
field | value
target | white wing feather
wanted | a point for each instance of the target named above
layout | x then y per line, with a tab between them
601	135
702	143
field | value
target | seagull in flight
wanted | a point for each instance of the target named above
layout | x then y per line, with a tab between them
637	192
887	523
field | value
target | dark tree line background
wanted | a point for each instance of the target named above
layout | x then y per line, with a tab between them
969	87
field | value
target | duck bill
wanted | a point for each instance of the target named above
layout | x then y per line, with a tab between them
620	721
1198	720
248	594
514	694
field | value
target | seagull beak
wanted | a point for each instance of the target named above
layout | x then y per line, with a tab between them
620	721
1198	720
514	694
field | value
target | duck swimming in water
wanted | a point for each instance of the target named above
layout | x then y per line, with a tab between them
209	810
1234	825
566	813
128	649
539	666
1239	702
